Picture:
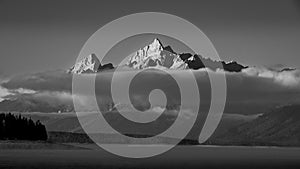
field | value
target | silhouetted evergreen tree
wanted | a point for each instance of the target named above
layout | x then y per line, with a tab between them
14	127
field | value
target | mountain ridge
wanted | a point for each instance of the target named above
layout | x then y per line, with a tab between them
156	55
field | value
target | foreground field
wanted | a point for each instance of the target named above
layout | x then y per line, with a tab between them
179	157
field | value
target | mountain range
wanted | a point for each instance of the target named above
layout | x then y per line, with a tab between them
155	55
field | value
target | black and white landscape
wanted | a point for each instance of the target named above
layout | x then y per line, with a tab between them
258	43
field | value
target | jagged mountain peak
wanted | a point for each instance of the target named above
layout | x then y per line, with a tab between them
155	55
156	43
153	48
89	64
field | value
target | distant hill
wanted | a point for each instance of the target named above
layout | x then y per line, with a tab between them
279	127
68	123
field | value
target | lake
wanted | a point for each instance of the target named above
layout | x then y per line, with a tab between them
179	157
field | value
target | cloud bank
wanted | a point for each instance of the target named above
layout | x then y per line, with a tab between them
251	91
289	78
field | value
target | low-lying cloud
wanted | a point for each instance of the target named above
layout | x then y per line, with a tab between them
57	81
290	78
250	91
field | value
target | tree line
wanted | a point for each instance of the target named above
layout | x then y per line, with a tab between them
16	127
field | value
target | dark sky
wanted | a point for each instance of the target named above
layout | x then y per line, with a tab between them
38	35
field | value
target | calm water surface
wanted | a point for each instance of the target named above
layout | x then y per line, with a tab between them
179	157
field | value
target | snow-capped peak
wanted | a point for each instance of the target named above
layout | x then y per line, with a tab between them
152	49
156	45
89	64
154	56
